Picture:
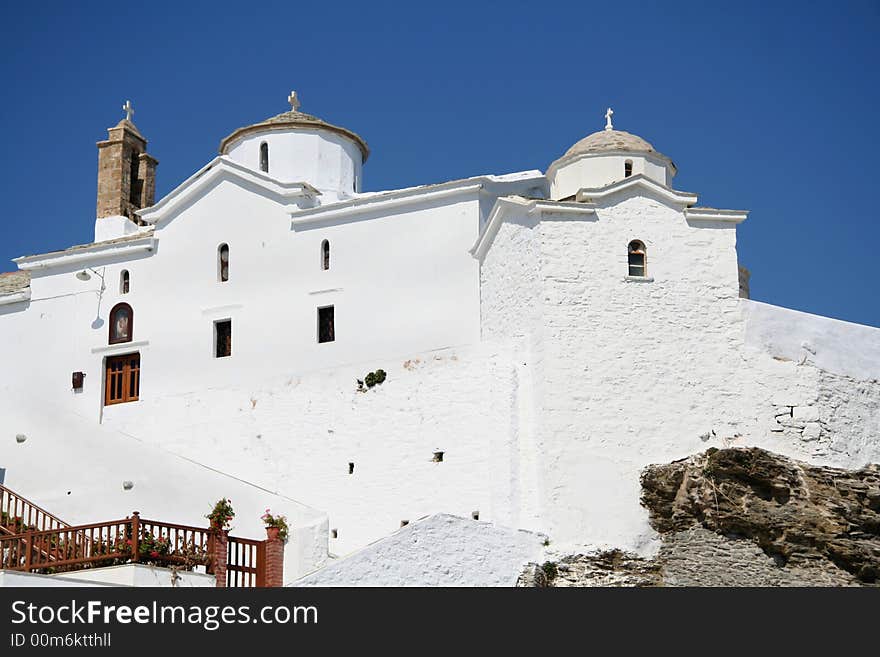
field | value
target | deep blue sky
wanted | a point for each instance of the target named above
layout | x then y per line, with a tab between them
766	106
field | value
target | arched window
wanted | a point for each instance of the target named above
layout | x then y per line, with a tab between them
121	323
264	157
638	265
627	168
124	282
325	255
223	262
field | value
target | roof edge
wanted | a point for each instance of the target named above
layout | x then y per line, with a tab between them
298	123
574	157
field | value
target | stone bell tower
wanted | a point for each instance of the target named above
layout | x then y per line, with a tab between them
126	173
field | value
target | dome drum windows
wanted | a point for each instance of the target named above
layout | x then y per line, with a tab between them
637	259
264	157
627	168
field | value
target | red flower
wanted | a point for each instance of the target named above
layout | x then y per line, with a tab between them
154	554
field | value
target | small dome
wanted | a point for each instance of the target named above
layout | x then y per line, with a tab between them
294	119
610	140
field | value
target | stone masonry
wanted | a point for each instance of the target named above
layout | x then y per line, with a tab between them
126	173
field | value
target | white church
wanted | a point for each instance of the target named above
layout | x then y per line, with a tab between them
544	336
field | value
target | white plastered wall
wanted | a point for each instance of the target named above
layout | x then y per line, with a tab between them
593	171
325	160
638	372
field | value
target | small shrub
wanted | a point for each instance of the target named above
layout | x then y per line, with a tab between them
372	379
550	570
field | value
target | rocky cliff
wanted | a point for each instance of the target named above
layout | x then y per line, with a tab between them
744	517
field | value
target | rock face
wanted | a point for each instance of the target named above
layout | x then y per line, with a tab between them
604	568
743	517
802	516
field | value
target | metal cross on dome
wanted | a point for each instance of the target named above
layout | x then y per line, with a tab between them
128	109
608	114
293	99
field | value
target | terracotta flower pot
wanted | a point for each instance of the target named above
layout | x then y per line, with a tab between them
272	532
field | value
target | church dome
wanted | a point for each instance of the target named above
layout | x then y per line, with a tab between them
294	119
295	147
604	158
610	140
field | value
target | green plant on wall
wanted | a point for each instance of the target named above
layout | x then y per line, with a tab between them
375	378
371	380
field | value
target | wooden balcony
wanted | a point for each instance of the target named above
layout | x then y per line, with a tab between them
33	540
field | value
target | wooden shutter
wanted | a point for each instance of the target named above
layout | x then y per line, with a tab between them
123	379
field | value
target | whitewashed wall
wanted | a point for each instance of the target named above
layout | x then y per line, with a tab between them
400	283
298	434
568	175
75	469
138	574
632	373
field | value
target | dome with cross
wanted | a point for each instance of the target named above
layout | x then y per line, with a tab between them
607	157
297	147
293	119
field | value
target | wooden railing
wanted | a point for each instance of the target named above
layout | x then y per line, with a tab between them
245	562
18	515
132	540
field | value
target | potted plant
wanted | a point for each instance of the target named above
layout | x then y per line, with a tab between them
276	526
222	514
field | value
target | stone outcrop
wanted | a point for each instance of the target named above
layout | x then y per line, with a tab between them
743	517
798	514
603	568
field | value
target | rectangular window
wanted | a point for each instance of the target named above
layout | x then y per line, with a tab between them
123	379
223	338
326	331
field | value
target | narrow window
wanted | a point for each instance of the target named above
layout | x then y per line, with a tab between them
223	338
124	280
264	157
637	264
326	332
122	379
121	323
325	255
223	262
134	183
627	168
